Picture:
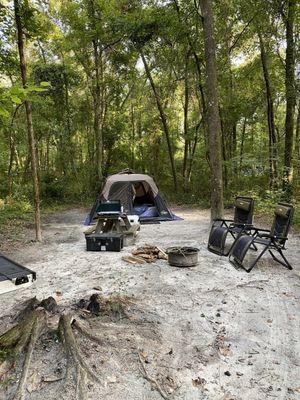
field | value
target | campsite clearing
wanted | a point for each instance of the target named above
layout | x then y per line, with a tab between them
208	332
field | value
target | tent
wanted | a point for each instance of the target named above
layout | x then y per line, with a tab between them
138	195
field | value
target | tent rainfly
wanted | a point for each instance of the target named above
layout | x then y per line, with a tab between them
138	195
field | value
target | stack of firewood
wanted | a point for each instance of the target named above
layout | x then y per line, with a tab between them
146	254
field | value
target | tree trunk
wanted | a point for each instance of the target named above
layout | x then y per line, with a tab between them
193	149
31	137
242	143
214	127
297	142
132	139
163	119
224	152
228	107
290	98
69	145
185	121
97	112
270	114
10	166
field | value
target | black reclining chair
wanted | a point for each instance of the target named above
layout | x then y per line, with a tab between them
243	218
273	239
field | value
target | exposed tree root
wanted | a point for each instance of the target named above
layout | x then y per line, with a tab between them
86	332
155	385
38	317
35	333
22	338
76	365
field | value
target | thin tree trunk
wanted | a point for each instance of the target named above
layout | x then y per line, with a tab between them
31	136
185	121
132	139
162	117
10	166
97	112
228	109
214	126
270	114
47	155
290	98
70	150
223	147
242	142
12	151
193	150
297	141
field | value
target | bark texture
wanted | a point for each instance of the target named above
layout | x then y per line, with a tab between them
290	97
213	120
30	132
270	114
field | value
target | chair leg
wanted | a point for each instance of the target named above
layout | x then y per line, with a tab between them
285	263
256	260
254	247
234	263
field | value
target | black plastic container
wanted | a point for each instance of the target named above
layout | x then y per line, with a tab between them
104	241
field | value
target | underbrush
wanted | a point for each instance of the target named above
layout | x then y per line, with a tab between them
12	209
16	214
265	201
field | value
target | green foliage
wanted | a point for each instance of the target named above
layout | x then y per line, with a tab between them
61	38
15	209
17	95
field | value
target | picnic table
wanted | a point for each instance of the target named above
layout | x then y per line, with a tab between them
116	221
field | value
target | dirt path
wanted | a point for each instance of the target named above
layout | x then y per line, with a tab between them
208	332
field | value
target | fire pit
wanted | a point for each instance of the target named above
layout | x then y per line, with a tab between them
182	256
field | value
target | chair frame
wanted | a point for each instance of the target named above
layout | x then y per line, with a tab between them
230	224
274	242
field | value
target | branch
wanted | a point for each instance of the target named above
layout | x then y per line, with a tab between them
153	382
241	33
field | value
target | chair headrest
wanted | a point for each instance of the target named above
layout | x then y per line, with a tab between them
243	203
283	210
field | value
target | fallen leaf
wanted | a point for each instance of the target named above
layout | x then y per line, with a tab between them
144	354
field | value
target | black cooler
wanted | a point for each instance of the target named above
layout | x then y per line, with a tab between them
111	241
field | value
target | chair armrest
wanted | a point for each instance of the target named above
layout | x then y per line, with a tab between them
265	235
273	237
248	226
223	220
280	237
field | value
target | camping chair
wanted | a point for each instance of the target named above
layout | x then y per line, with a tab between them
243	218
273	239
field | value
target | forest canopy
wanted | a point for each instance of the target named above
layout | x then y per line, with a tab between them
122	84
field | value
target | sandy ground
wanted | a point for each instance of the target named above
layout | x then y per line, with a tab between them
208	332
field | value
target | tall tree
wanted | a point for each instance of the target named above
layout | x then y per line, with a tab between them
30	131
162	117
290	96
270	114
97	90
213	117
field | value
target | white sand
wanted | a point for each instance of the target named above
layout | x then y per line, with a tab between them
192	324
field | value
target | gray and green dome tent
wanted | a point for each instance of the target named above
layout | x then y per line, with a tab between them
150	206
